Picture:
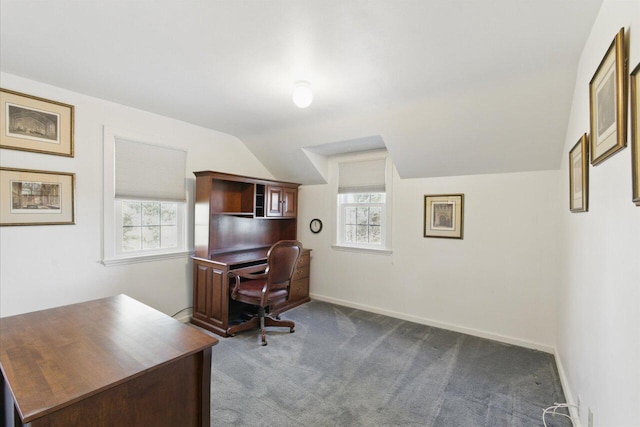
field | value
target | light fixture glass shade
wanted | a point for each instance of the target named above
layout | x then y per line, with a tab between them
302	95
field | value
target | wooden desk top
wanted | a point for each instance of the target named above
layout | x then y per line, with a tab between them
235	258
56	357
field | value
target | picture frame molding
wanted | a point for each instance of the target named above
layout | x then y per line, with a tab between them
616	48
69	209
12	142
583	146
634	79
458	218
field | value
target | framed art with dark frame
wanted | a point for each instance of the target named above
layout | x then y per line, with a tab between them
444	216
635	133
29	123
579	176
34	197
608	103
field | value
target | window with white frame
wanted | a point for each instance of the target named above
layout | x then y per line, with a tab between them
362	204
145	199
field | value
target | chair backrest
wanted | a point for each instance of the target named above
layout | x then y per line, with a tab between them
282	259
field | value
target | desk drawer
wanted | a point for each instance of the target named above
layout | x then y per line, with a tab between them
299	289
304	260
300	272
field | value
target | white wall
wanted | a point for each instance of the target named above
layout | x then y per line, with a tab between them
47	266
498	282
598	342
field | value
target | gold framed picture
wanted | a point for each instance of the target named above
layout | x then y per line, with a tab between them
444	216
635	133
579	176
34	197
35	124
608	103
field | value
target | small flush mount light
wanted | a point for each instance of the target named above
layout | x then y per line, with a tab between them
302	95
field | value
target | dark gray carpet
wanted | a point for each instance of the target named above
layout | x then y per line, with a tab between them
346	367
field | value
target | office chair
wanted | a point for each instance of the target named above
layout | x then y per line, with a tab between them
269	288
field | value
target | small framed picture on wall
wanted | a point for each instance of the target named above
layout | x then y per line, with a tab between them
444	216
635	133
608	103
579	176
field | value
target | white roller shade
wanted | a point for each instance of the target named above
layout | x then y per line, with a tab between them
365	176
149	172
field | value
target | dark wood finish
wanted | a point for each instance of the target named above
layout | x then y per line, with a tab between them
282	201
112	361
267	288
299	292
237	219
211	311
231	212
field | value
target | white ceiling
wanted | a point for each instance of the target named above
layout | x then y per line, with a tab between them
451	87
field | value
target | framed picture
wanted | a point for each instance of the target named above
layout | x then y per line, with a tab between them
444	215
608	103
32	197
635	133
35	124
579	176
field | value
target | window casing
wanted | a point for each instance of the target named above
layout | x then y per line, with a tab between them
145	199
363	202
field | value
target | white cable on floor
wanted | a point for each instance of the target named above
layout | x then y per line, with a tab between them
552	410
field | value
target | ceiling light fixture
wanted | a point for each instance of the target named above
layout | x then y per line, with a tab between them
302	95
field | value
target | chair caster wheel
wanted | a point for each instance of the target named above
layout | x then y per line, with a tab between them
292	331
264	343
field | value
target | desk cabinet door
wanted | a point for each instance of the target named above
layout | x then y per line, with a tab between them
210	303
282	202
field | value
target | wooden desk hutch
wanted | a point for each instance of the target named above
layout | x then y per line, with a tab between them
237	219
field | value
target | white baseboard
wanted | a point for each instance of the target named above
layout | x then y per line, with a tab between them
434	323
568	393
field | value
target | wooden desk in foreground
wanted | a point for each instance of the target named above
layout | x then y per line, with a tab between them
109	362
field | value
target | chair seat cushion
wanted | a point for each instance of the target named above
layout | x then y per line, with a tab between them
253	289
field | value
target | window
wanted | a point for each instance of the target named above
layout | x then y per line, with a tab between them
145	200
363	209
362	218
148	226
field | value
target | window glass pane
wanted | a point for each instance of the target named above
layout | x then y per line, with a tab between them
374	234
350	234
362	198
131	213
363	216
169	236
150	213
374	215
362	234
377	198
350	216
151	237
169	214
131	239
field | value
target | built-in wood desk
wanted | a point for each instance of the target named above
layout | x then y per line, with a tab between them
109	362
211	303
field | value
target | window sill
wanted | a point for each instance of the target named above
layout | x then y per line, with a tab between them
144	258
363	250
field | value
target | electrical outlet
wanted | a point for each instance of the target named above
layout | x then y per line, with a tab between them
590	422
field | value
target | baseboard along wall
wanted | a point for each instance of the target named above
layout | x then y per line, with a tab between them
436	324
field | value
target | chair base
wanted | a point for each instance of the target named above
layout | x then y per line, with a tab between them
261	321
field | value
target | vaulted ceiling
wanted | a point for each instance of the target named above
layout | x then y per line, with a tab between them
449	87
